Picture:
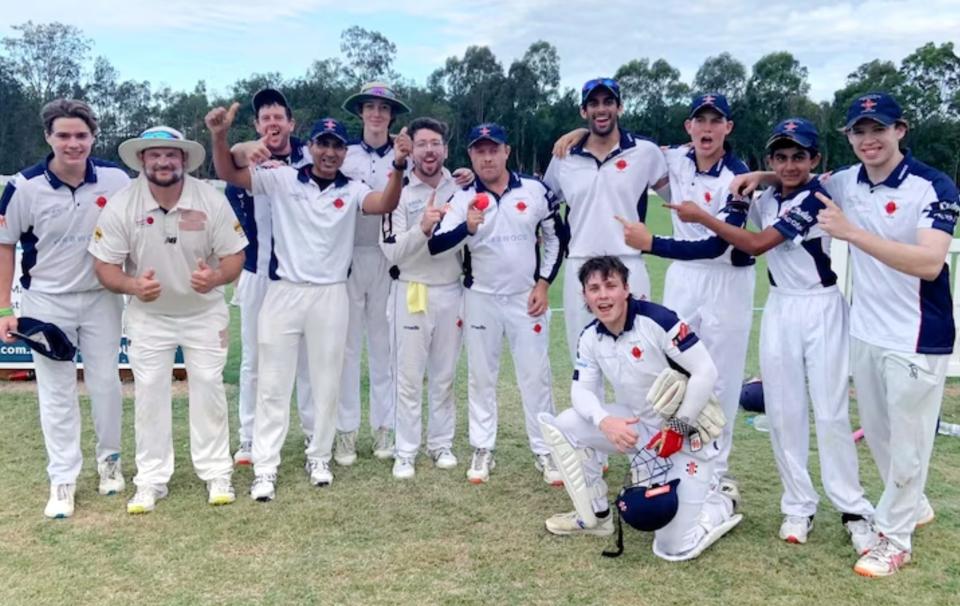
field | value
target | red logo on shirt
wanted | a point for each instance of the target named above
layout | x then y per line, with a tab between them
707	197
521	206
537	328
338	203
891	207
459	323
636	352
621	164
691	468
101	201
149	220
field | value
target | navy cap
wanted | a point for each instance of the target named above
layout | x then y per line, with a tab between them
46	339
489	131
879	107
751	396
328	126
800	131
591	85
714	101
268	96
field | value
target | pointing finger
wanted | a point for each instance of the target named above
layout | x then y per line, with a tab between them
622	221
826	201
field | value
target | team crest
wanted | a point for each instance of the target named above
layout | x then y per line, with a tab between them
890	208
101	201
97	234
238	228
692	469
707	197
636	352
522	206
621	165
338	203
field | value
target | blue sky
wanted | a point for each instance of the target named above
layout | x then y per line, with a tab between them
178	42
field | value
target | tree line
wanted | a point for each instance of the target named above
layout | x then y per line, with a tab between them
48	60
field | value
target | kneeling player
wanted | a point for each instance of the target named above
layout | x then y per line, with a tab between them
630	344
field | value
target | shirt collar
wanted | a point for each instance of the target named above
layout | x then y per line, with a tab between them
894	179
380	151
626	142
304	176
414	181
89	175
813	185
296	150
633	308
512	183
717	168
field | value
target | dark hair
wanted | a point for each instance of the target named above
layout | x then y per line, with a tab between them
605	266
67	108
286	110
785	143
430	124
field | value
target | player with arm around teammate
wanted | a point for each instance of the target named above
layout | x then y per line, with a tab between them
804	337
426	303
631	343
496	222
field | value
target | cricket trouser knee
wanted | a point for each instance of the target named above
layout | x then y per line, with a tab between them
204	342
442	360
529	339
913	384
99	344
279	343
484	339
152	344
575	311
325	332
700	509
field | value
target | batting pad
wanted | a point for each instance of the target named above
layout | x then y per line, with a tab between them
570	463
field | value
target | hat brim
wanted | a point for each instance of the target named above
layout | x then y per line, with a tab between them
875	117
804	142
703	106
355	102
130	149
485	138
321	135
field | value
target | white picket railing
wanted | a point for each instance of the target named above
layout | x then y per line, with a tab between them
840	256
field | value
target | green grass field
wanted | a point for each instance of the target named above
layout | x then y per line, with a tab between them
369	539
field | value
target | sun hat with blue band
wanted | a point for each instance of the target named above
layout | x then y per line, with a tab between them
161	136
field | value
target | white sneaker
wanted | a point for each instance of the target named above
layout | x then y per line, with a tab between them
925	513
863	536
244	454
307	439
383	443
730	488
146	497
319	472
220	492
551	475
570	523
883	560
264	487
795	529
404	468
480	466
443	458
345	448
60	504
111	476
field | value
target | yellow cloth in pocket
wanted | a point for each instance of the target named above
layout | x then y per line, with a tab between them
416	297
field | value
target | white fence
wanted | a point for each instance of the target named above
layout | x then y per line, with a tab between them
840	255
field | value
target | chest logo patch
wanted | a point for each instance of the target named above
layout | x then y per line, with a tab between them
338	203
691	468
707	197
636	352
521	206
621	165
890	208
101	201
537	328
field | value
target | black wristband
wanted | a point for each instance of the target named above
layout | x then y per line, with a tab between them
400	166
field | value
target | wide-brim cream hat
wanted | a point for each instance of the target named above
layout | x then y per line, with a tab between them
161	136
375	90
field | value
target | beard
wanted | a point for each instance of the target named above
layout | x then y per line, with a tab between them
173	179
430	171
602	132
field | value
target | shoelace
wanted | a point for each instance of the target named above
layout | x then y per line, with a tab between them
63	492
480	458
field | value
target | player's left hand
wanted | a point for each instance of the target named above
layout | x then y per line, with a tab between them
204	278
832	219
636	234
402	146
562	147
537	301
463	177
688	212
666	442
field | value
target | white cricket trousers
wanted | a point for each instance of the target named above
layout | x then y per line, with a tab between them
426	342
575	312
716	300
488	318
92	321
316	314
249	294
153	340
899	395
699	499
369	291
804	348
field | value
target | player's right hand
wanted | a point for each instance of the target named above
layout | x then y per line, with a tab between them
219	119
619	431
475	212
431	216
146	287
688	211
7	324
746	183
636	234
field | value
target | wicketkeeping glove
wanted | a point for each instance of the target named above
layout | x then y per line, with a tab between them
666	393
711	420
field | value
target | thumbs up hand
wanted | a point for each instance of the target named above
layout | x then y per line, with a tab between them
204	278
146	287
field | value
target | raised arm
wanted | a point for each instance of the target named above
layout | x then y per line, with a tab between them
219	120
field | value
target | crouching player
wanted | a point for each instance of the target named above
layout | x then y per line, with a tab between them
804	344
630	344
